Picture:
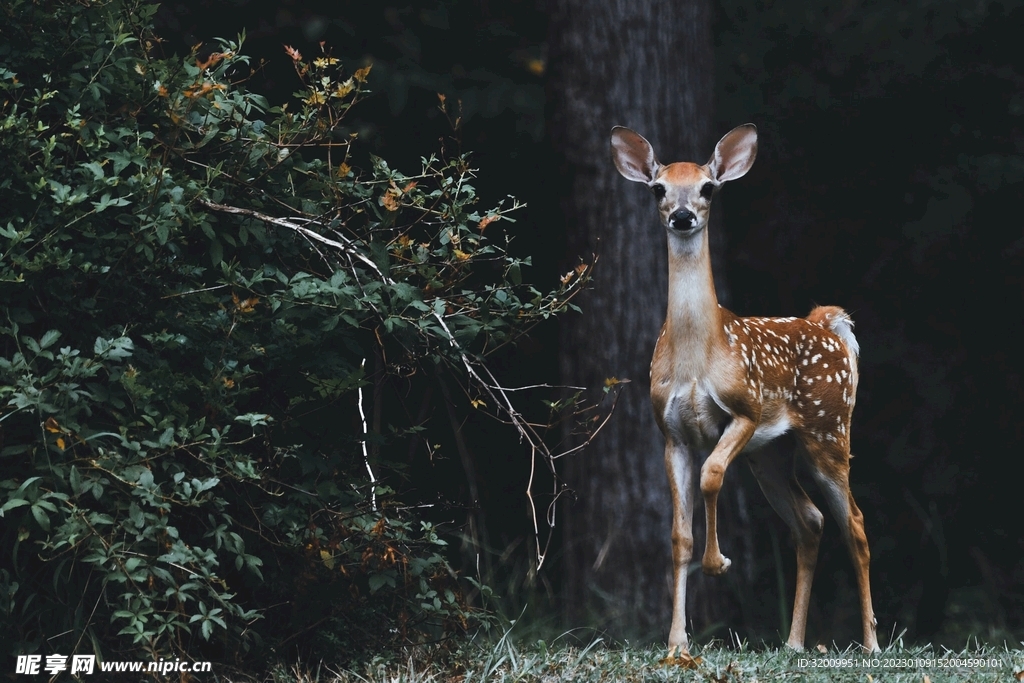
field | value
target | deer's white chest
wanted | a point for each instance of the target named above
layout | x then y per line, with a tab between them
693	414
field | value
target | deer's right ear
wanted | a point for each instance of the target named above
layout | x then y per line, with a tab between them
633	156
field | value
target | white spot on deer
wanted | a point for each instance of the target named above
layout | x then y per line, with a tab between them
815	358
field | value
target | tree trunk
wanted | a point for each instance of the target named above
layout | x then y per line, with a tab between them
648	66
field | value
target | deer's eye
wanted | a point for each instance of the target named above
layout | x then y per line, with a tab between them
659	191
707	190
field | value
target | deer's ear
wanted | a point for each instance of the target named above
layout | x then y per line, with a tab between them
734	153
633	156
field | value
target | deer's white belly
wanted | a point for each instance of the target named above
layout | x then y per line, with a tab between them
768	430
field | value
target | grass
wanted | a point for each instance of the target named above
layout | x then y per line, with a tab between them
540	662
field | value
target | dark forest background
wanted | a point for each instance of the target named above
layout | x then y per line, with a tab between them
888	181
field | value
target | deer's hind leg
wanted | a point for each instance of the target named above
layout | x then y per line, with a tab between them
830	465
776	476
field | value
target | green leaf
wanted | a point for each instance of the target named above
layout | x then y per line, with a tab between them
41	517
113	349
49	338
216	252
75	478
378	581
167	438
13	503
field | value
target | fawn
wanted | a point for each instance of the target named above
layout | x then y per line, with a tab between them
729	385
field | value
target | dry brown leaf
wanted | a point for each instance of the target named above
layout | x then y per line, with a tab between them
293	53
361	74
315	98
51	426
327	558
487	220
390	200
683	660
245	305
343	89
210	61
822	649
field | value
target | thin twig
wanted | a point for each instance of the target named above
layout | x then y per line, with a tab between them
366	454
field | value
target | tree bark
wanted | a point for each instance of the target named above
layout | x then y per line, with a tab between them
648	66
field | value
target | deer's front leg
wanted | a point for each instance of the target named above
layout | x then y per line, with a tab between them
735	437
679	465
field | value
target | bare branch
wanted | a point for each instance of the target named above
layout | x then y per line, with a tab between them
478	373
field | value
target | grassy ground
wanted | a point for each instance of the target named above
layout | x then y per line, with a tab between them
540	662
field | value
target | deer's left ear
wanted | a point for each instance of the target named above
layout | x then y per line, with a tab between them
734	153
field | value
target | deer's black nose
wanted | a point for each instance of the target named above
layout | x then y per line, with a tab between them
683	219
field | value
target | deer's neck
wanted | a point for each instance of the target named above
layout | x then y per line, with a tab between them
694	319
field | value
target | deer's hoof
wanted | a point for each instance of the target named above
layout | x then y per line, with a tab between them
716	566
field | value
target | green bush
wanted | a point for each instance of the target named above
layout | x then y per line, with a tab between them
196	289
